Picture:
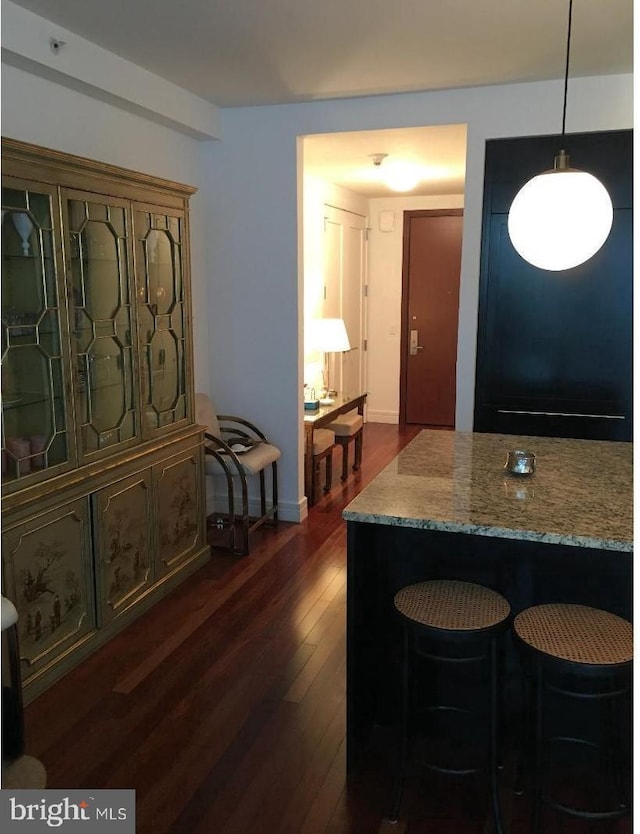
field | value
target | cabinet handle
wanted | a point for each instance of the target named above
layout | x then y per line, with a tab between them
563	414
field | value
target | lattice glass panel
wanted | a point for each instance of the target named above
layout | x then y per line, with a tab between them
161	304
102	324
34	418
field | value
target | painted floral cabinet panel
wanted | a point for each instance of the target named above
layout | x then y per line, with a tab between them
179	512
123	547
48	568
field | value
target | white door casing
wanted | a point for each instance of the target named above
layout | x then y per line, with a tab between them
345	279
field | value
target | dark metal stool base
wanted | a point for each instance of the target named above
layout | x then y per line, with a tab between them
457	647
579	655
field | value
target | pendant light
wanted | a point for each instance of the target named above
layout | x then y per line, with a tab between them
561	217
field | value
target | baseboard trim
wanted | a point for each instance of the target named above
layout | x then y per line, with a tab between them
287	510
293	511
382	416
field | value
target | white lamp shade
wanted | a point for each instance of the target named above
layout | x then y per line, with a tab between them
330	336
560	219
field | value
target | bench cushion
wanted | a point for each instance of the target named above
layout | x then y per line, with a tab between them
252	461
322	440
347	424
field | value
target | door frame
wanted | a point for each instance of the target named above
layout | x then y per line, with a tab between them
362	291
404	303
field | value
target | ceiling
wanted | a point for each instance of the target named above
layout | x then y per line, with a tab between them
345	158
255	52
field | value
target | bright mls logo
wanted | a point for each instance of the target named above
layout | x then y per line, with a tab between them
108	811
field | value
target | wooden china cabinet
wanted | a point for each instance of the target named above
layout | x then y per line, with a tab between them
102	463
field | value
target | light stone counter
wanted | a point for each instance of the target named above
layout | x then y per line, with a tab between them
581	493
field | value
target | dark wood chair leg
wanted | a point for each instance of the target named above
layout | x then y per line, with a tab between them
327	457
358	451
344	442
328	471
311	499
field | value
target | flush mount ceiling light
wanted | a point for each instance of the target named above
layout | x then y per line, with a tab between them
563	216
402	176
397	175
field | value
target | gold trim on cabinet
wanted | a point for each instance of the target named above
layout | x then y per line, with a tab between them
79	488
59	168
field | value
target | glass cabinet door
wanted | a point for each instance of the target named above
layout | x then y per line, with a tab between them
35	418
102	323
161	317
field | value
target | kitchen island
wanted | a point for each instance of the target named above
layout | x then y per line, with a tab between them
446	507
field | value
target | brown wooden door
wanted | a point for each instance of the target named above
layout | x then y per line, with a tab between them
429	339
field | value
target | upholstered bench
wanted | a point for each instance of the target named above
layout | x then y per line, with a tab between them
323	443
347	428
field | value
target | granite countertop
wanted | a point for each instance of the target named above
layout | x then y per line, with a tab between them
581	493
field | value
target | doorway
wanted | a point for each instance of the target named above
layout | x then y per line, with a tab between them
338	171
432	247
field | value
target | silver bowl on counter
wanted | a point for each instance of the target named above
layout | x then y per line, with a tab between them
520	462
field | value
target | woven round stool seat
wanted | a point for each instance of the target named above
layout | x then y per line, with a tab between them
452	605
577	633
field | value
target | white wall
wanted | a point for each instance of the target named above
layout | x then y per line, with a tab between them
385	297
87	68
254	215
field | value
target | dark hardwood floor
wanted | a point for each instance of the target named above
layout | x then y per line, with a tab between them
224	705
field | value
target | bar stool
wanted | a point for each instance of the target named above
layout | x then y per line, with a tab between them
348	428
452	623
583	654
323	445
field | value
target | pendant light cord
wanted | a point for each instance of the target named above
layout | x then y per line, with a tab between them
566	71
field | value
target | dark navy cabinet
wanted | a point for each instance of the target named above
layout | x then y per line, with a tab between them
554	353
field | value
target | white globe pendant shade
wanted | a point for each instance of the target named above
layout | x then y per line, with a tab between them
560	218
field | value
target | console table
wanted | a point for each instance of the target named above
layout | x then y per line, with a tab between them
446	508
325	414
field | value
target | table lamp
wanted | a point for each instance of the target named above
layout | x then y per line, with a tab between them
329	336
